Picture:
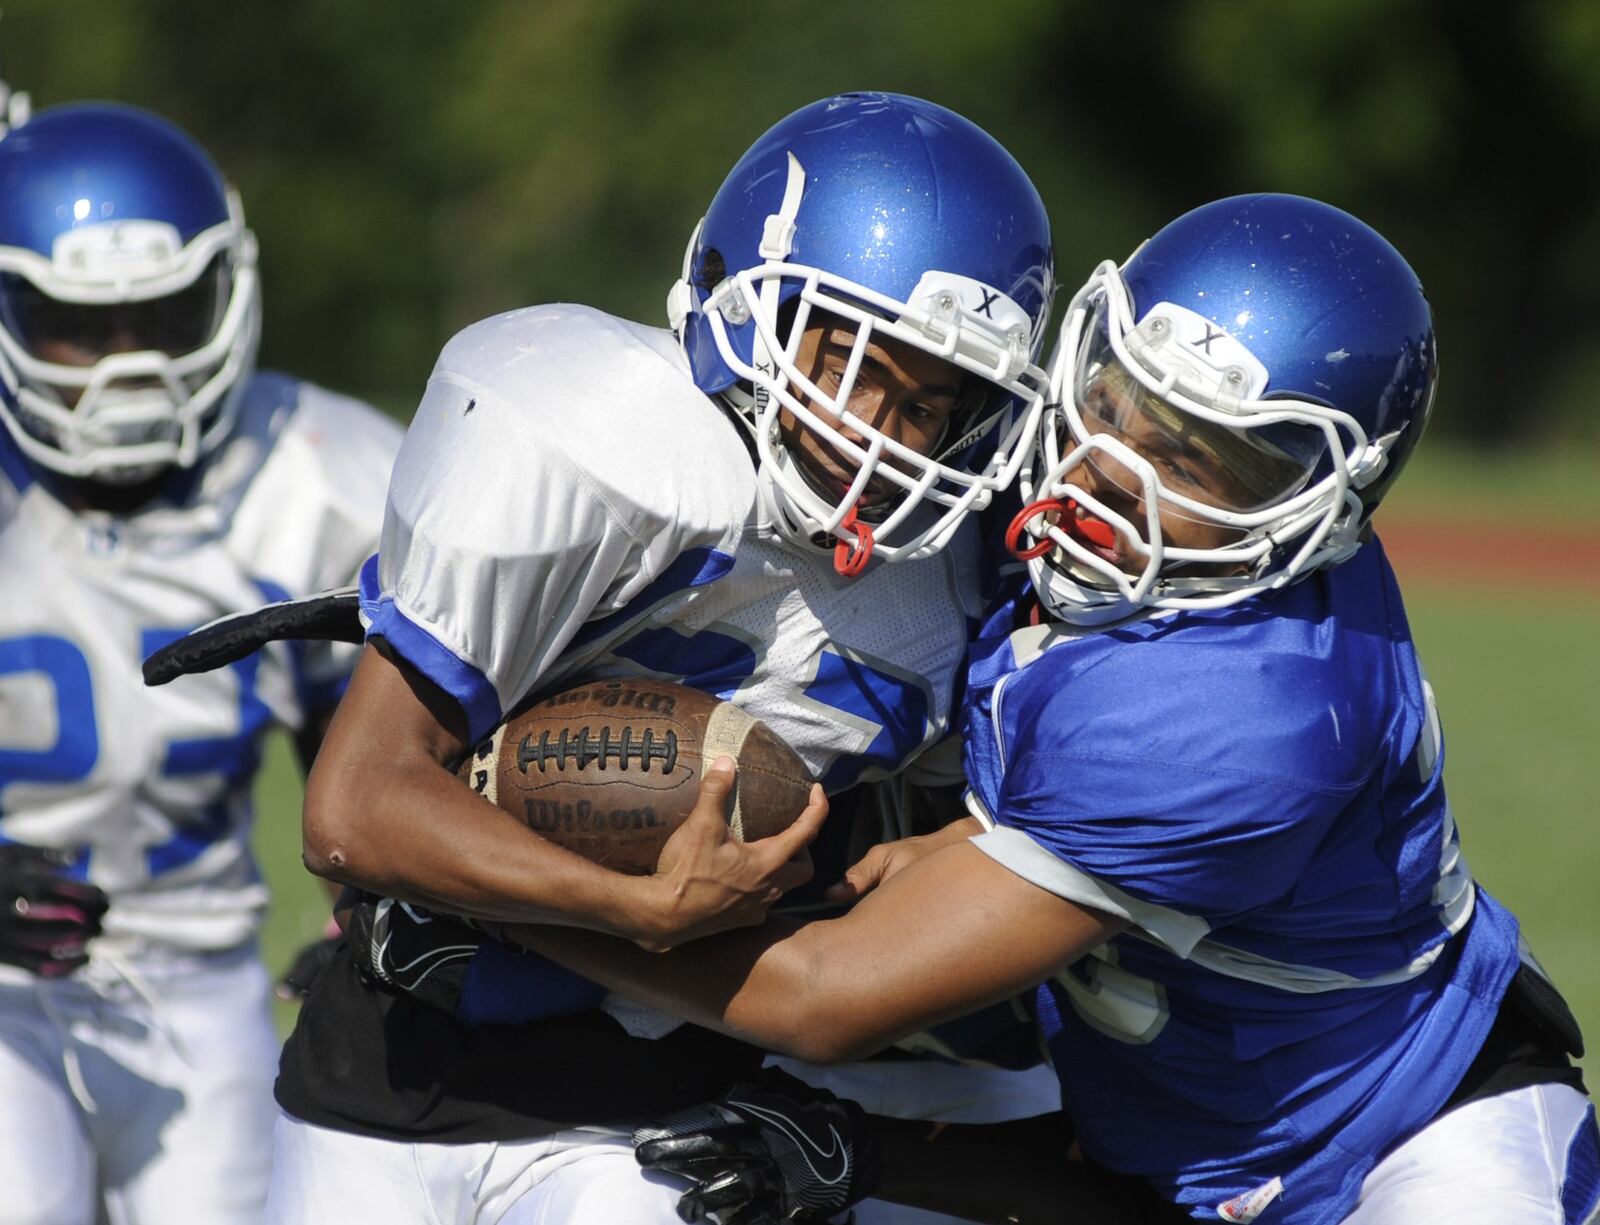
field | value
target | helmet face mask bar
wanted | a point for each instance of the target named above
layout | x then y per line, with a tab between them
931	493
128	330
1275	477
898	227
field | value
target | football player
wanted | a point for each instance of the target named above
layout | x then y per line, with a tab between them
1206	781
150	480
770	502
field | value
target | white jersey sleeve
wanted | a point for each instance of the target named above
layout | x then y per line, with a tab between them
310	516
561	462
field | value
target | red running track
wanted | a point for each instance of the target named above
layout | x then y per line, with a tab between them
1458	552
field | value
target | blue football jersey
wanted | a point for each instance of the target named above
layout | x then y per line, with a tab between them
1310	968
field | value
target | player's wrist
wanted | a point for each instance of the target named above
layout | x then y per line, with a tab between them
652	916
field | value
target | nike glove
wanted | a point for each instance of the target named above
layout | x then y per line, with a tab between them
411	950
457	967
769	1151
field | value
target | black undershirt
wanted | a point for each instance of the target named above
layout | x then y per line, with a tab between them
375	1062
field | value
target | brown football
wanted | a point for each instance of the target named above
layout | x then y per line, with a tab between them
608	769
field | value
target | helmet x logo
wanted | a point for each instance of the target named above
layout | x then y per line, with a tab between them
1205	341
989	299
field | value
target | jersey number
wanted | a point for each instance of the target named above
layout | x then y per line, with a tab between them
1107	998
76	749
889	712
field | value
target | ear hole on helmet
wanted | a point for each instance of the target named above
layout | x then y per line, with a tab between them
711	269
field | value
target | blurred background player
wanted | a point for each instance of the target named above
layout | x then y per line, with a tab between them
772	505
150	480
1207	775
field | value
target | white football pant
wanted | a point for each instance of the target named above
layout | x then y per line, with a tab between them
1507	1158
1511	1158
326	1177
589	1176
151	1086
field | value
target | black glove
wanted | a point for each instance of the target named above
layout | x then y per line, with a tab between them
46	918
324	616
412	950
296	982
769	1151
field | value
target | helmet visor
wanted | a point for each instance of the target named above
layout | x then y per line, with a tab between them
80	334
1230	468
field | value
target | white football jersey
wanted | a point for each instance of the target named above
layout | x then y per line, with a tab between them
150	788
568	503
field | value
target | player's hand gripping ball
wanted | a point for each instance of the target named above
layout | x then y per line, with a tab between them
608	769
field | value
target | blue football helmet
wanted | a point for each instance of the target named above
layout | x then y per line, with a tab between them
129	307
1262	368
902	221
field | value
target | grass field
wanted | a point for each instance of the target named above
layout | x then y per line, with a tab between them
1517	675
1539	484
1519	696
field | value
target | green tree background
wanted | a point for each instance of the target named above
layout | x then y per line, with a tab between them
415	164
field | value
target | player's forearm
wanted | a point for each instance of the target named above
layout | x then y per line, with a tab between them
800	989
418	835
952	932
764	985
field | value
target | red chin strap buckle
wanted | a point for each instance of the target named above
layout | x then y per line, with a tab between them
1095	531
851	559
1018	525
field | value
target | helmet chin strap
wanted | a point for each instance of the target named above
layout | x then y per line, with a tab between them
777	235
777	241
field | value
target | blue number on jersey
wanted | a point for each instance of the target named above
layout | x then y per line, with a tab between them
234	756
72	757
77	744
720	663
896	707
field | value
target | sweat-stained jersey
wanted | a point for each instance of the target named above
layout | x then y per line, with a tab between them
1259	789
568	503
150	788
